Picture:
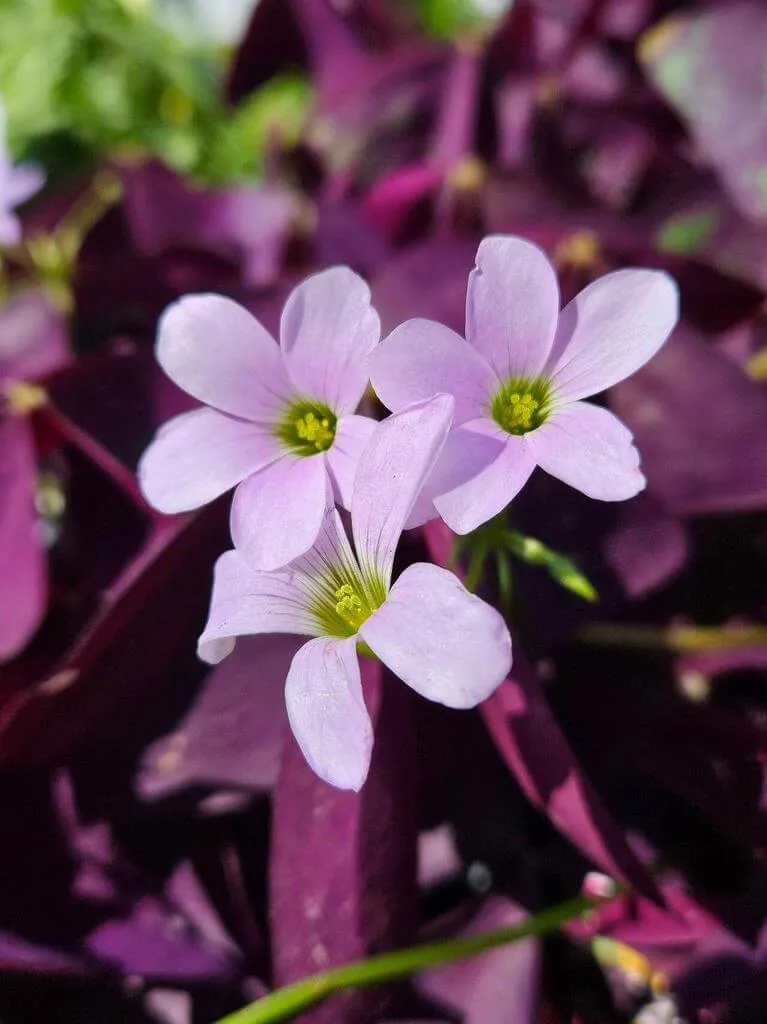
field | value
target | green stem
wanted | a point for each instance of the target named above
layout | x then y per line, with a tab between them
676	639
285	1003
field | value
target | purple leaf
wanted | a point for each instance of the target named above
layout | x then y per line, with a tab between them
246	224
156	604
500	985
156	944
710	65
342	876
33	338
233	734
23	575
647	546
528	738
701	427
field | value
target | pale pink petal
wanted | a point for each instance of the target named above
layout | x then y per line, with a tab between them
611	329
421	358
352	434
218	353
327	332
445	643
199	455
331	550
246	603
277	512
10	227
24	181
479	472
512	306
590	449
391	472
327	713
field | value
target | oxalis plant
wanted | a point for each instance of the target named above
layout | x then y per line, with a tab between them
470	420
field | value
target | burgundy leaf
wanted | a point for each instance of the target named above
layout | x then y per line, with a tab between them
496	987
23	574
701	427
33	338
710	65
343	865
233	734
528	738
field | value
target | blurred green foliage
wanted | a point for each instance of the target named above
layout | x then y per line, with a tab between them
449	19
84	78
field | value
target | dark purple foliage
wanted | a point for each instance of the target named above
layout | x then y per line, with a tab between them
167	854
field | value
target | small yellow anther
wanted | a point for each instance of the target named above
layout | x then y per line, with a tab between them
581	249
22	398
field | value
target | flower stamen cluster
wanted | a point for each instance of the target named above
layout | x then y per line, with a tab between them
520	406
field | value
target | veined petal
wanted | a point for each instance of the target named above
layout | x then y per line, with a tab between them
421	358
327	713
445	643
512	306
480	470
327	332
218	353
611	329
277	512
352	434
590	449
200	454
390	475
245	603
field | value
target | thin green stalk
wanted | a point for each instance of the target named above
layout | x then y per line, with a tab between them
676	639
285	1003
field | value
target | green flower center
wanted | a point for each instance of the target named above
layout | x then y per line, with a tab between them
307	428
343	599
519	405
352	606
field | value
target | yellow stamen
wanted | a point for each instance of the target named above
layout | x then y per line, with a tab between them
350	607
581	249
23	398
316	431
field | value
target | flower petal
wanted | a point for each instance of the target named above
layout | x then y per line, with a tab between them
611	329
24	181
327	332
590	449
277	512
218	353
512	306
479	472
246	603
200	454
352	434
390	475
327	713
421	358
445	643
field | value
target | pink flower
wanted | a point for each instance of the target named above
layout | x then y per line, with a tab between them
519	377
279	420
18	182
444	642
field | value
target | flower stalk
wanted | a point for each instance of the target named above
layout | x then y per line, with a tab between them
284	1003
